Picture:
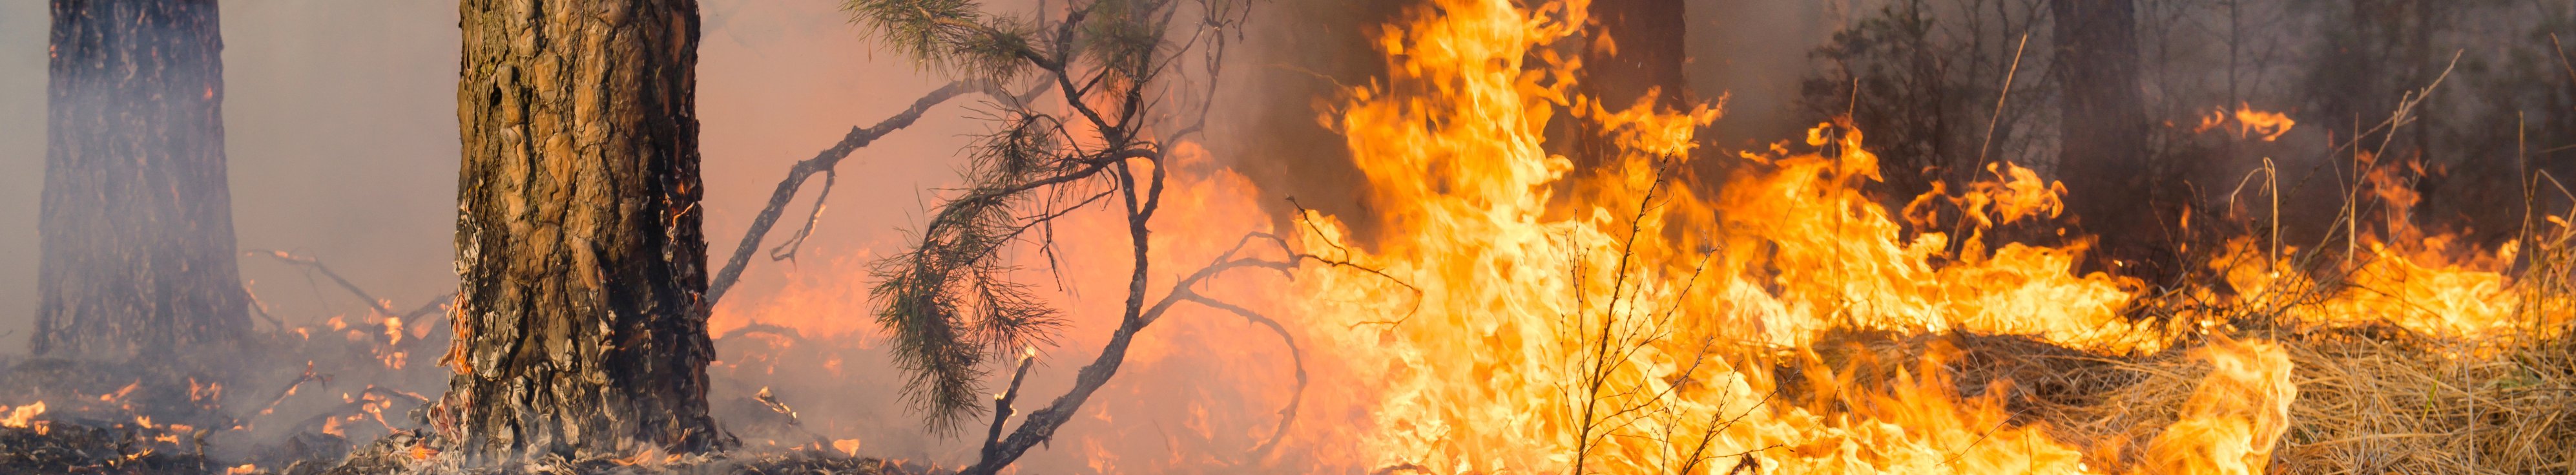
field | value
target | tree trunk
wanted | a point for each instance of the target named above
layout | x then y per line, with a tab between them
577	237
1643	53
136	227
2102	153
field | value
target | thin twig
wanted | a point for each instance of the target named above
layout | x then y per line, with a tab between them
1989	141
1002	409
822	162
316	265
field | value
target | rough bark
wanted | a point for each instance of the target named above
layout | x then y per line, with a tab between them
2102	153
578	246
1643	53
136	227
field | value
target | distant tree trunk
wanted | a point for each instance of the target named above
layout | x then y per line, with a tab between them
1644	53
137	226
2103	127
578	329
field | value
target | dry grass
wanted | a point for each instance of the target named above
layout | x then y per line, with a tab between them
2371	400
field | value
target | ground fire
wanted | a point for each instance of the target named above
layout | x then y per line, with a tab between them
1435	237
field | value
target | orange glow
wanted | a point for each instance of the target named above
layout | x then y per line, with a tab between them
21	416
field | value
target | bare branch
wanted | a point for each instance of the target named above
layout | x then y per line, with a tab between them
823	162
1296	397
1002	404
316	265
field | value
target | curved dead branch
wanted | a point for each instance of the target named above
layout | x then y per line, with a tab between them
1296	397
824	162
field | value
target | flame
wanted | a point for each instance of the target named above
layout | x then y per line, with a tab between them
1533	308
2271	124
2249	121
120	393
2232	421
394	332
2400	274
21	416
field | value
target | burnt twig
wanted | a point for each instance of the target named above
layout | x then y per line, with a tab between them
308	376
824	162
1002	405
316	265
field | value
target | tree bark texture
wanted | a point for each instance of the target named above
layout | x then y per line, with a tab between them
1643	52
578	247
2102	153
136	227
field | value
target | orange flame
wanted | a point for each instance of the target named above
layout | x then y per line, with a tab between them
21	416
2232	421
2249	121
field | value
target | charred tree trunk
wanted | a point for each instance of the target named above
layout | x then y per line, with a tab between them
1643	52
2102	153
137	226
577	237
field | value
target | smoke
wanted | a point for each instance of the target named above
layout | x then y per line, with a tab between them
23	27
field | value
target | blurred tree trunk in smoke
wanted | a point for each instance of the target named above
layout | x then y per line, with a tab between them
1643	52
578	329
2102	126
136	227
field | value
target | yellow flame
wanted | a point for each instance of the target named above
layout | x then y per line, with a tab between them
21	416
2232	421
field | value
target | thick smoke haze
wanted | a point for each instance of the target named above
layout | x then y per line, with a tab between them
23	26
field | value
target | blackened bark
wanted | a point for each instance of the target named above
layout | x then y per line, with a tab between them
1643	53
2102	153
136	227
577	235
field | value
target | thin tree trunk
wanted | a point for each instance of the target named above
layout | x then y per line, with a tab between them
2102	152
136	227
577	237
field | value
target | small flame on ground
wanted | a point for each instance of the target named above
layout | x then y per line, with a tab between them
21	416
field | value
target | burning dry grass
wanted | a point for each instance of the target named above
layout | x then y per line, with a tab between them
2370	399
